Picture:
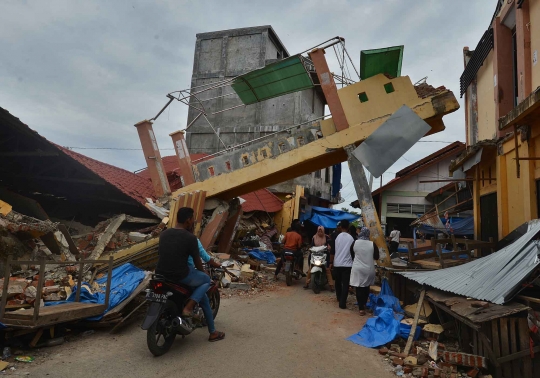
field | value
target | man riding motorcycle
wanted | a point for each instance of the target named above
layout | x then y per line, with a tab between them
176	245
292	243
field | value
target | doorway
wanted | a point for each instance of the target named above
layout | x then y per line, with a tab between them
488	217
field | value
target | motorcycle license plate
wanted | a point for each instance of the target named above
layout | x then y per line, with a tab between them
287	266
154	297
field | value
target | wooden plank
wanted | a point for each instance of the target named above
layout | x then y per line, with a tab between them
513	344
518	355
495	338
115	328
131	219
79	282
475	343
7	273
108	287
441	257
51	310
505	346
36	338
105	238
414	323
524	341
41	279
458	317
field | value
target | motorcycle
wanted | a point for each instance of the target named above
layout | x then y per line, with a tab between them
318	268
163	318
290	271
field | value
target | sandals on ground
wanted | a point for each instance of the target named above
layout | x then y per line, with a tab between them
220	336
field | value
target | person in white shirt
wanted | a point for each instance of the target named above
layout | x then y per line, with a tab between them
343	263
363	269
394	240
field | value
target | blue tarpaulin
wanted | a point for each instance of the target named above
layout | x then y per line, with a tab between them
267	256
328	218
386	325
463	226
124	281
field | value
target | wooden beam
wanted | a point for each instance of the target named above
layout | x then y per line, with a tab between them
520	354
106	237
448	180
419	306
131	219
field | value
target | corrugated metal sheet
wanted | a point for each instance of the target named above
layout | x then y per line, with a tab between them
494	278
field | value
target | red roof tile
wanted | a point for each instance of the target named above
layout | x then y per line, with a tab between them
135	186
170	163
261	200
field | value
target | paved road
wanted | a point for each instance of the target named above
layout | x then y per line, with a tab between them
289	332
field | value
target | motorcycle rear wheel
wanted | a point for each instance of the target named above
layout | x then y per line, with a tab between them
161	330
288	277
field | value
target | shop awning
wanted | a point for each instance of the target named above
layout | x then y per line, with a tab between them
277	79
381	61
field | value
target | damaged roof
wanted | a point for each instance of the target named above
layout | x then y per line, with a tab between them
135	186
261	200
67	184
495	278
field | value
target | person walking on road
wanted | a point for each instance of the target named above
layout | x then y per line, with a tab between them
394	239
363	269
343	263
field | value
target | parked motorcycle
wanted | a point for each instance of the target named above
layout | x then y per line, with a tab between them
290	268
318	268
163	318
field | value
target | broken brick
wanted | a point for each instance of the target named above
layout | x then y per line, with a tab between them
15	302
383	351
397	361
473	372
407	369
49	282
437	373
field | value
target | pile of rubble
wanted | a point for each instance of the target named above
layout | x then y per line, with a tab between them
430	359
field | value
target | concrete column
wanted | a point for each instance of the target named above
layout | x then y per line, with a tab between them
502	68
153	158
365	200
523	39
184	160
329	89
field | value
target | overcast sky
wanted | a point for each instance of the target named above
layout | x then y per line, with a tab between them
82	73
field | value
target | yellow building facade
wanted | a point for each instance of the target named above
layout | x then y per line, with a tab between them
501	86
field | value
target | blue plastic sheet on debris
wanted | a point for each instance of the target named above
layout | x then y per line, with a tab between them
328	218
124	281
386	325
267	256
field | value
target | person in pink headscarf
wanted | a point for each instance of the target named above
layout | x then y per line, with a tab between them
320	239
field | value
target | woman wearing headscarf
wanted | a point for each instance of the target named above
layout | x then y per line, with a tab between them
363	269
318	240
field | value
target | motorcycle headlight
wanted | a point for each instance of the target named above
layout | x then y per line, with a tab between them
318	262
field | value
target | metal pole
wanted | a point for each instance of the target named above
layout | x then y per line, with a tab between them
369	213
371	182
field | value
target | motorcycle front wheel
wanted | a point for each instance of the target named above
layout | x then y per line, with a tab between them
214	299
316	282
160	335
